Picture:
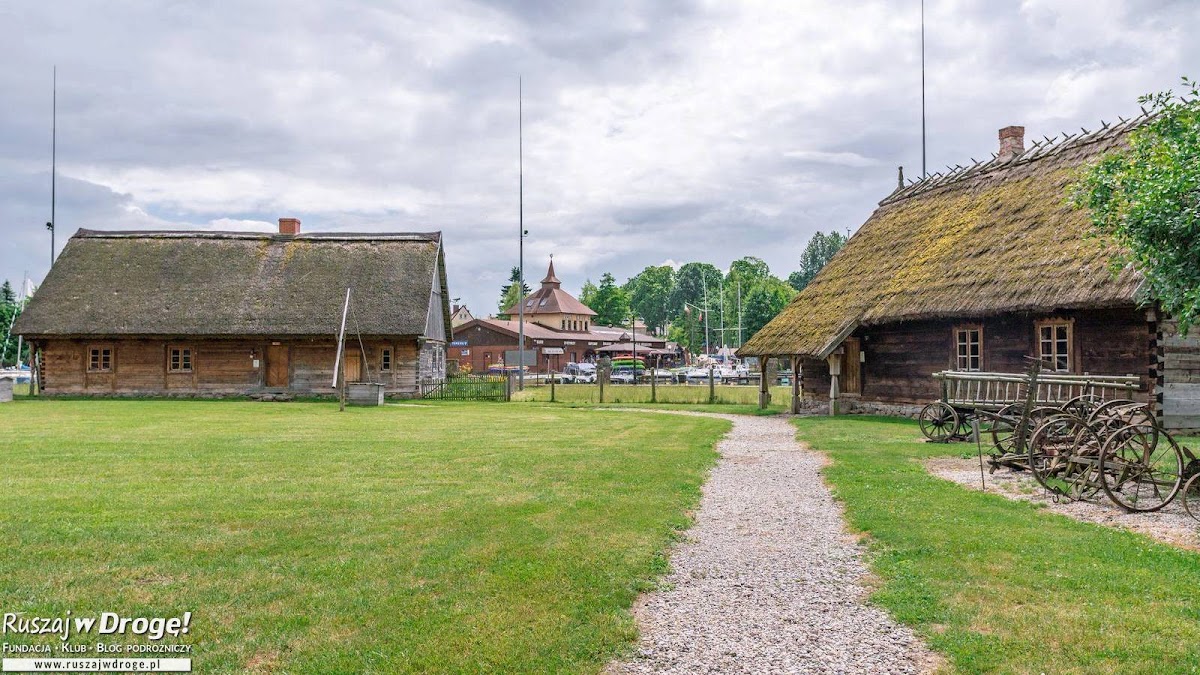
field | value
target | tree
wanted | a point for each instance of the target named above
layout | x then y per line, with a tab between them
9	310
611	305
1147	200
650	295
764	302
817	253
509	293
748	273
587	294
690	283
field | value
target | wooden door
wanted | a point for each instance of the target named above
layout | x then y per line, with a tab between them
851	382
277	366
352	366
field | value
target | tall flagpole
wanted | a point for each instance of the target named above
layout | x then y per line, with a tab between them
521	240
924	173
53	159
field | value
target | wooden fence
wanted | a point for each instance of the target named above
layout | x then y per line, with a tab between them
468	388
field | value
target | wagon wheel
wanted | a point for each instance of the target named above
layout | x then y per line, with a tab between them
1105	409
1139	471
939	421
1062	457
1191	496
965	428
1082	406
1003	430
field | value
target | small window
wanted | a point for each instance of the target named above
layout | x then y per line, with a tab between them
180	360
542	303
968	348
1054	345
385	360
100	359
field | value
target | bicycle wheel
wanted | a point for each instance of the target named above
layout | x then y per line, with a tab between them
1140	469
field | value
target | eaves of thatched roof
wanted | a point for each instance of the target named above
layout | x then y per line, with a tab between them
135	283
982	240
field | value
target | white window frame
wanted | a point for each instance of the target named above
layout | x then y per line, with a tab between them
1061	355
962	348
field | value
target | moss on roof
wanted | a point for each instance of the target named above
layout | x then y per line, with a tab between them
180	283
997	238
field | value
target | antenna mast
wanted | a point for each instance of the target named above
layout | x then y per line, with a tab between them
521	240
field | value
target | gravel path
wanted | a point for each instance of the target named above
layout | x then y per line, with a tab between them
1171	525
768	581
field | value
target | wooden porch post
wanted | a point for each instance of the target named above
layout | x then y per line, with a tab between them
764	391
797	390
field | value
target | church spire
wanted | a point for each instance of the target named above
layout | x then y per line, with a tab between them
551	281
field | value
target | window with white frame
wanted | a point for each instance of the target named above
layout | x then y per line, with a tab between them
1054	344
385	360
968	344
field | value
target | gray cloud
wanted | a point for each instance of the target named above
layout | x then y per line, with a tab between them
654	130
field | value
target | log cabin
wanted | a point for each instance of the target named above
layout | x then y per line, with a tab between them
137	313
978	270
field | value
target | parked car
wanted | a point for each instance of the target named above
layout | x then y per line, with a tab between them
578	373
621	375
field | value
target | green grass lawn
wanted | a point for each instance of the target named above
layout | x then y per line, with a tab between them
1003	586
433	538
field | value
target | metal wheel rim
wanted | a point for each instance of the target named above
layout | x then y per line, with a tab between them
1191	497
1130	464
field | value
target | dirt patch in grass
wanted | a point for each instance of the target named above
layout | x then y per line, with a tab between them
1171	525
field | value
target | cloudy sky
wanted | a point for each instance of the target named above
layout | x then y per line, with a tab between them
654	131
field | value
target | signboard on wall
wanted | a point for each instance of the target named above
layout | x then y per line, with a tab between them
552	351
512	357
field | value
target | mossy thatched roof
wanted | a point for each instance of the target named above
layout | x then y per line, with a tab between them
995	237
227	283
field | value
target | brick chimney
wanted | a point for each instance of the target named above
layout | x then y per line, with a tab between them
289	226
1012	143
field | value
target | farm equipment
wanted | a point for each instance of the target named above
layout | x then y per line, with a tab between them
1119	449
1079	436
1007	403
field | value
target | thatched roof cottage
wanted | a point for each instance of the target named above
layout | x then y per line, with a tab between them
976	270
196	313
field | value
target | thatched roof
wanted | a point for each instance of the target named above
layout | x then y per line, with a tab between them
229	283
991	238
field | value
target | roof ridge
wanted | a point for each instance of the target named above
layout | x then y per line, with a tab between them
86	233
1039	149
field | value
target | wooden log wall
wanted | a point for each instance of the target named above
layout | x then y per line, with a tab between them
1178	363
901	357
219	367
